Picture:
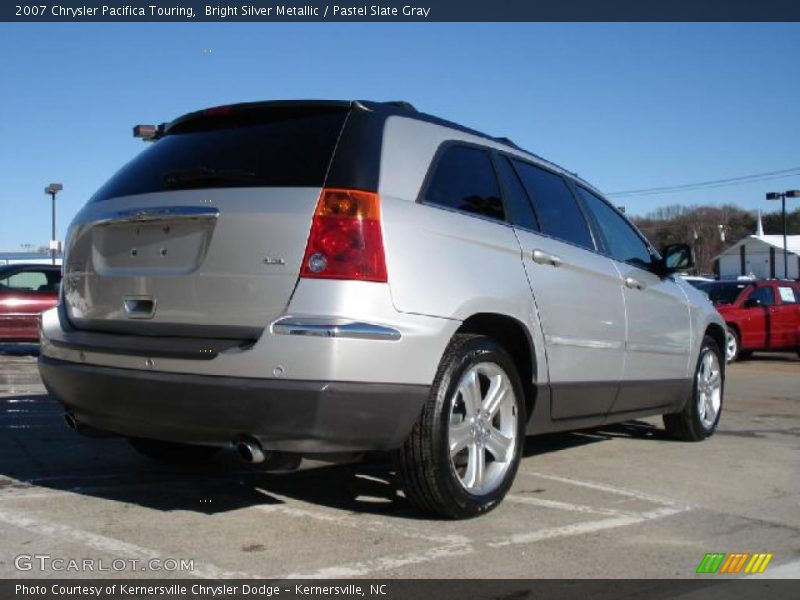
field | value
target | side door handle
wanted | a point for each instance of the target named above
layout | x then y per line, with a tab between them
544	258
634	284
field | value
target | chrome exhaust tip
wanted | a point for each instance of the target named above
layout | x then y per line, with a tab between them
250	451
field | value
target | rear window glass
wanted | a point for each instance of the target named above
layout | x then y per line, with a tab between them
275	147
29	280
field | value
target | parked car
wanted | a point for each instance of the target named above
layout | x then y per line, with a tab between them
339	277
759	315
696	280
25	292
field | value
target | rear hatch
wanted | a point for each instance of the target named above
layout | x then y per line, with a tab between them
203	233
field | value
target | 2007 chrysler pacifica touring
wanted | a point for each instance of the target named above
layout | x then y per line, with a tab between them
314	277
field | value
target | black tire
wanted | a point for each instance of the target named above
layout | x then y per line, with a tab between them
423	463
731	356
745	354
173	452
687	425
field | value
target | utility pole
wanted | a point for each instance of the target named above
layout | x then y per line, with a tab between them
53	189
782	196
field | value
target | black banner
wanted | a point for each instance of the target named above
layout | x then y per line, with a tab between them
709	588
407	10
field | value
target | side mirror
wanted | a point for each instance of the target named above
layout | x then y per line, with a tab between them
676	257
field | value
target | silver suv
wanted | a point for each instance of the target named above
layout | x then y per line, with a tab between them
324	277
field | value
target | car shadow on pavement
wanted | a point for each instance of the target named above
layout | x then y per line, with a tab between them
556	442
40	455
771	357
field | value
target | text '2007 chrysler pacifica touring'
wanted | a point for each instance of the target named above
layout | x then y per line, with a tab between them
313	277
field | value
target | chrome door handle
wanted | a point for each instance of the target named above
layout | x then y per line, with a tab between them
634	284
543	258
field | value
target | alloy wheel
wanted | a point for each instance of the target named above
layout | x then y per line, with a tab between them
483	428
709	389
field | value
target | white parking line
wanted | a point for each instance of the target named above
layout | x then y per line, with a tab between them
603	487
568	506
385	563
361	523
584	528
117	548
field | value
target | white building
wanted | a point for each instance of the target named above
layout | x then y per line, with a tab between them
760	255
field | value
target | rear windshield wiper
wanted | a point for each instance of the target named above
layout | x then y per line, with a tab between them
187	177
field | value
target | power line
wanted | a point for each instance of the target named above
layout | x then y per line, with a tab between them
744	179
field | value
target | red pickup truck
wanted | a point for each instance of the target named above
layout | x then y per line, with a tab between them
26	290
761	315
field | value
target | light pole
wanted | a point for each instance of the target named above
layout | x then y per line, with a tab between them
53	189
782	196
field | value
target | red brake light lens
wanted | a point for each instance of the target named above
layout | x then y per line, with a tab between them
346	240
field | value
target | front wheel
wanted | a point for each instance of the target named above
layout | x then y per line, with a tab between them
700	416
462	455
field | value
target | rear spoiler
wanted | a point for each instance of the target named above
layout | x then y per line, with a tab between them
149	133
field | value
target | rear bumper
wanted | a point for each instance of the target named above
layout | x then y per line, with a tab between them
284	415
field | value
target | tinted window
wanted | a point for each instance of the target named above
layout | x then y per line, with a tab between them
764	295
623	243
30	281
556	207
517	204
464	179
266	147
723	293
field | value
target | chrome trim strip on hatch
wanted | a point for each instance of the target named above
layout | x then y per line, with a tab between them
157	213
334	328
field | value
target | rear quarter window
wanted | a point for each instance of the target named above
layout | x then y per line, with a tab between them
463	179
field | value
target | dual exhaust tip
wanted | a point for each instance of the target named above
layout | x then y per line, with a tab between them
248	449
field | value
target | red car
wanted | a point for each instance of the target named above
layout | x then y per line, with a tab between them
761	315
26	291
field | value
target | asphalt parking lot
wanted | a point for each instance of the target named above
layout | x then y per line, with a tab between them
622	501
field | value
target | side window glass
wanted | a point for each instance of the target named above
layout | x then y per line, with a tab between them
556	208
624	244
787	294
764	295
518	206
26	281
464	180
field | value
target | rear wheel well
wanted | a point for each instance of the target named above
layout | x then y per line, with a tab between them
719	335
513	336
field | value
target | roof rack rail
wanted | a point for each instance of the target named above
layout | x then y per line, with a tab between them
402	104
507	141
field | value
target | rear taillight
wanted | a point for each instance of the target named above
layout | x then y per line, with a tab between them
345	240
